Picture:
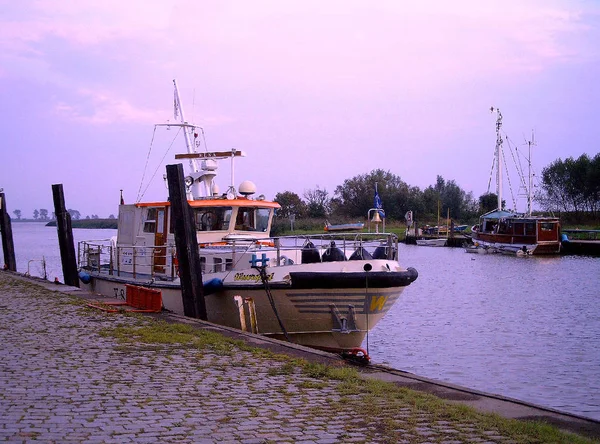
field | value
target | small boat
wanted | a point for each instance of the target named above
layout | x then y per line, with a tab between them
478	249
436	241
509	232
433	242
344	227
324	291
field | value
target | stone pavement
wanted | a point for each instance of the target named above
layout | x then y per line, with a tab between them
62	380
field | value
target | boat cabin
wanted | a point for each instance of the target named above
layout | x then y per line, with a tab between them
145	232
512	228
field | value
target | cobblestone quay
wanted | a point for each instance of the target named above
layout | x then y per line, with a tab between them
67	374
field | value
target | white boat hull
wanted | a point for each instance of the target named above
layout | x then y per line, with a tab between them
439	242
317	308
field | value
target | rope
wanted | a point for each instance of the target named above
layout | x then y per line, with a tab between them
139	197
367	294
263	277
159	164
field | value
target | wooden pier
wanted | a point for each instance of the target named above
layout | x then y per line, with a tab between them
581	242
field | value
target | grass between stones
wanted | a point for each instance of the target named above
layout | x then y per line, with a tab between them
372	400
395	410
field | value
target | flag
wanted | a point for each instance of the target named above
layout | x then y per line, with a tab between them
378	204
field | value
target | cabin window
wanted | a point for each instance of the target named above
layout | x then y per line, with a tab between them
212	218
203	264
547	226
530	228
519	229
228	264
262	219
218	264
150	221
252	219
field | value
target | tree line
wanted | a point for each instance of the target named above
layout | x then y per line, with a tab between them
570	185
42	215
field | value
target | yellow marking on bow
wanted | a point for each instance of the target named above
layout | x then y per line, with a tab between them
377	303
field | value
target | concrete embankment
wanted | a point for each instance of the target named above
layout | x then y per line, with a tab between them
66	377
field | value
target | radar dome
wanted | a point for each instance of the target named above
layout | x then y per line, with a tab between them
247	188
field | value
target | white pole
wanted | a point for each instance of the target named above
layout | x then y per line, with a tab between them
186	130
530	180
499	158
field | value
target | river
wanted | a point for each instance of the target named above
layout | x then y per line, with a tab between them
526	328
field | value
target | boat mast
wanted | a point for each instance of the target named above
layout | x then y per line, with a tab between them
530	177
187	129
498	157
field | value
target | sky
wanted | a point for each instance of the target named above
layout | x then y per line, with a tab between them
315	92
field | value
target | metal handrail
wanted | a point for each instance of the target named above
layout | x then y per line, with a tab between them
145	260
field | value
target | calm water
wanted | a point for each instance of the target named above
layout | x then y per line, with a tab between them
34	242
527	328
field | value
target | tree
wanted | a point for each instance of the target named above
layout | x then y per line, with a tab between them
43	214
36	214
290	204
488	202
450	198
17	213
112	216
355	197
74	214
317	202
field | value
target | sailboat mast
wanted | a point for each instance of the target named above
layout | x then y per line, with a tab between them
498	158
530	179
186	129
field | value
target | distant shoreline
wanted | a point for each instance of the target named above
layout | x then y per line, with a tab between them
88	223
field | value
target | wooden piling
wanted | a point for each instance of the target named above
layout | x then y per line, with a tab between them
8	245
65	237
186	243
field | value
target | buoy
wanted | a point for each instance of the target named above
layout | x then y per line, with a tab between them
310	254
85	277
333	254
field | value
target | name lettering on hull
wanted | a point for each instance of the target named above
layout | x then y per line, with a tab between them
251	277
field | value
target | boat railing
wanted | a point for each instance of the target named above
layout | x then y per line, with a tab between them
161	261
130	260
348	243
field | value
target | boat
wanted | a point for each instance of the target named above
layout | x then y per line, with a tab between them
324	291
510	232
433	242
344	227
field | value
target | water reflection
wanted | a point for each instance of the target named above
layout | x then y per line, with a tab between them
527	328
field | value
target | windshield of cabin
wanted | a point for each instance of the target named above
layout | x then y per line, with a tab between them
252	219
212	218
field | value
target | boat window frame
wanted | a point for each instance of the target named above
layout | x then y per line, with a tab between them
250	218
149	225
203	218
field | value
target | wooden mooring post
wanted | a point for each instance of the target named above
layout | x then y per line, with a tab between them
8	246
65	237
186	243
